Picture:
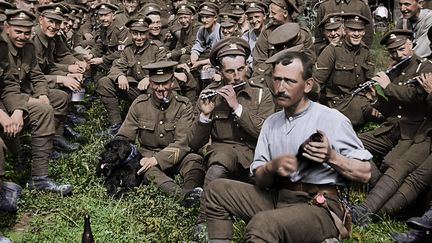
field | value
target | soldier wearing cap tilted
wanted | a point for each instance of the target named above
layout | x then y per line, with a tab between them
161	121
348	58
187	34
229	25
110	40
152	14
207	36
127	78
404	107
29	5
239	10
131	10
26	99
281	12
332	25
232	119
344	6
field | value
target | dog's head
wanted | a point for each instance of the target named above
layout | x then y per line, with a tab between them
115	153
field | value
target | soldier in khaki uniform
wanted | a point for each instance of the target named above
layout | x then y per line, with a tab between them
110	40
344	6
161	121
38	116
229	25
281	12
333	28
399	139
349	58
131	10
127	77
232	119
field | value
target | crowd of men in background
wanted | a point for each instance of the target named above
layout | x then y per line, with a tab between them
202	78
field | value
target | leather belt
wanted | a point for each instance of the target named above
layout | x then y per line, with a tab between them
309	188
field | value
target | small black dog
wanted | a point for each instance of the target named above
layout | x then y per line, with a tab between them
119	163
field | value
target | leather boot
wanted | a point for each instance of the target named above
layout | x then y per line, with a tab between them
412	236
111	131
192	197
9	196
360	215
72	134
421	223
44	183
72	118
60	143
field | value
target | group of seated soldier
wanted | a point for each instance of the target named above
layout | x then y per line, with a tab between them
254	111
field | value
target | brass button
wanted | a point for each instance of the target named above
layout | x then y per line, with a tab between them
138	63
161	135
400	107
161	122
217	116
400	83
355	65
399	116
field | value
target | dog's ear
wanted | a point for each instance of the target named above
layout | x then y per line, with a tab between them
124	149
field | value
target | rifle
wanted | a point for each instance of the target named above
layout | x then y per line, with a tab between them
368	84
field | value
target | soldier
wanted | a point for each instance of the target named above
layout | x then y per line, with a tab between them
297	196
126	78
405	109
344	6
239	10
152	14
280	13
37	115
161	121
232	119
229	25
348	58
333	31
186	38
29	5
110	41
419	20
131	10
59	67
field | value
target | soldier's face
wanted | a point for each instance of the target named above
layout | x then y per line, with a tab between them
130	5
155	26
185	20
228	31
278	14
402	51
66	25
208	21
106	19
233	69
409	8
256	20
334	35
162	90
289	86
18	35
25	5
354	36
50	27
138	37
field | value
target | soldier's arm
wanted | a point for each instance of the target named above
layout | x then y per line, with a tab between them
129	128
11	94
368	37
260	54
324	66
199	133
38	80
120	66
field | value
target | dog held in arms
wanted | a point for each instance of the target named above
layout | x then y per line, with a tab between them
119	164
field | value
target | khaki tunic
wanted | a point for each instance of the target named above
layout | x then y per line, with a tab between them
227	131
340	69
184	44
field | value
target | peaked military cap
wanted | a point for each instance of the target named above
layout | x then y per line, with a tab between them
279	55
229	46
151	8
396	38
331	21
162	71
285	34
228	19
105	8
3	6
354	21
237	9
286	5
140	25
256	6
208	8
187	9
20	18
53	11
78	11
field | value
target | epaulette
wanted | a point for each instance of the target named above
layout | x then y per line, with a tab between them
181	99
142	97
156	42
257	83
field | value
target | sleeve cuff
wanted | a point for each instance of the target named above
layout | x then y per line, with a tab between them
204	119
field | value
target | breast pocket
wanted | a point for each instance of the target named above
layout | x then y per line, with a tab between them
222	125
147	133
343	74
169	133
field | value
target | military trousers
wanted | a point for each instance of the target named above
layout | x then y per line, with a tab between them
271	215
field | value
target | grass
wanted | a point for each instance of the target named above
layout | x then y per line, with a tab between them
142	215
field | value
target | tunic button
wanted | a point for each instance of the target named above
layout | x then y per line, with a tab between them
241	139
19	69
144	126
344	67
139	72
161	135
262	79
399	83
290	118
400	107
334	102
138	63
399	116
161	122
217	116
237	125
355	65
357	75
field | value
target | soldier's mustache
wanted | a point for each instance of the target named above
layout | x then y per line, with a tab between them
281	94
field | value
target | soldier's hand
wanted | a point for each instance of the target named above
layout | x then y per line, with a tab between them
83	65
88	57
96	61
370	93
375	113
70	83
181	77
146	163
320	152
75	68
77	76
44	99
184	66
143	84
282	165
207	105
123	83
17	122
229	95
382	79
7	123
425	80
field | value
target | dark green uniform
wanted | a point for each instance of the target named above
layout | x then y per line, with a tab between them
130	65
340	69
162	130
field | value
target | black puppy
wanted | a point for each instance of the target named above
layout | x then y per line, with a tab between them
119	163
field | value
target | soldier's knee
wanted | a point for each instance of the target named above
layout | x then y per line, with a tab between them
103	86
217	188
216	171
259	227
